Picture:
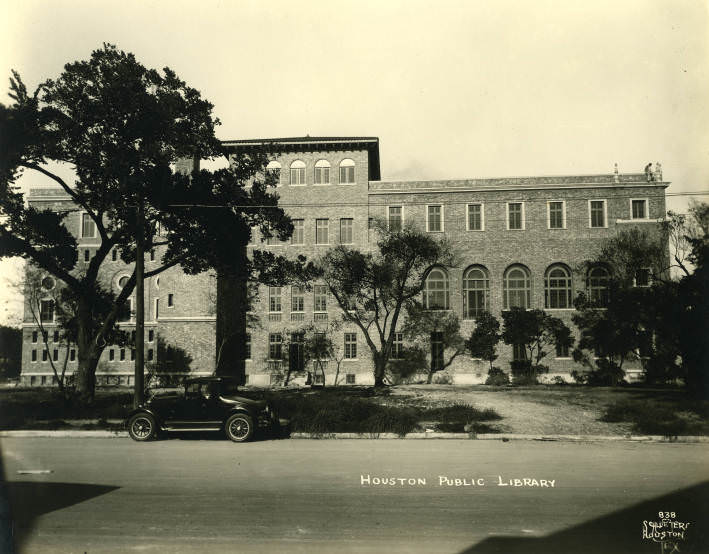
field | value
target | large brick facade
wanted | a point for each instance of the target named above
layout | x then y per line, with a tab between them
189	322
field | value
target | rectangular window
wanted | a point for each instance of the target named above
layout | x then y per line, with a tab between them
638	209
515	216
132	354
296	352
436	351
170	301
395	218
275	346
114	254
346	230
322	175
397	347
350	378
88	227
87	255
157	308
297	299
126	311
321	231
519	352
597	213
34	355
562	351
34	336
320	298
152	255
298	236
123	354
350	346
274	241
247	347
556	215
46	310
347	174
274	299
150	354
643	277
475	217
55	336
72	355
45	355
111	354
434	219
151	335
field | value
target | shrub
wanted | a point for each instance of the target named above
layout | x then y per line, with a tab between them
496	377
650	418
442	379
558	380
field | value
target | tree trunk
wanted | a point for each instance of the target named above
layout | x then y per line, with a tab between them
429	379
232	305
379	370
89	354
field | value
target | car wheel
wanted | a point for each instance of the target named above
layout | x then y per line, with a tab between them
142	427
239	428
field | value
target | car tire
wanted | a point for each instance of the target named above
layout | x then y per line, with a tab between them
239	428
142	427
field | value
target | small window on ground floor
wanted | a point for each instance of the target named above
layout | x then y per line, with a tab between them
350	379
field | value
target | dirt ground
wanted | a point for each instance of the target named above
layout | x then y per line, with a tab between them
533	410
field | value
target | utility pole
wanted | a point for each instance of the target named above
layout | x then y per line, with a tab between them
139	304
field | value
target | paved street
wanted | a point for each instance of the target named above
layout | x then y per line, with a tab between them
209	495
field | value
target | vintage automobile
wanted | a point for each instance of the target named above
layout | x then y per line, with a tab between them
204	404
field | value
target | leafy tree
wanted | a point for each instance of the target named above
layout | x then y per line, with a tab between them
372	288
10	351
120	126
428	330
536	330
482	343
171	365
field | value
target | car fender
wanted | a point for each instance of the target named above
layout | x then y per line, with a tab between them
135	411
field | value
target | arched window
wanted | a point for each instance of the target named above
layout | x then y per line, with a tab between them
347	171
557	287
435	294
597	285
274	170
322	172
297	172
517	288
123	281
476	292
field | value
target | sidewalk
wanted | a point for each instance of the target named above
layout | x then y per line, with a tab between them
103	434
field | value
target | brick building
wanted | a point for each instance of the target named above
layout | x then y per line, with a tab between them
521	241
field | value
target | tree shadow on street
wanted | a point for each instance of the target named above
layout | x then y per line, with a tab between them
620	531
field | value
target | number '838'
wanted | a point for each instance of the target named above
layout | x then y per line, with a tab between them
665	515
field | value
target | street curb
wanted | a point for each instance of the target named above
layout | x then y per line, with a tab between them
103	434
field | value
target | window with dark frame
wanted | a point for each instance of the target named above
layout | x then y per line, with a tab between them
515	219
34	355
46	310
434	219
111	354
475	217
557	288
519	352
598	213
350	346
350	379
476	292
639	209
437	351
397	347
45	355
297	299
562	350
556	215
275	346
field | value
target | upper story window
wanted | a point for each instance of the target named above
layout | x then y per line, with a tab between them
46	311
395	218
346	230
350	346
298	236
557	287
273	170
297	172
322	227
434	218
322	172
638	208
556	214
347	171
517	288
597	213
297	299
274	299
319	298
476	217
275	346
436	294
515	216
597	285
476	292
88	227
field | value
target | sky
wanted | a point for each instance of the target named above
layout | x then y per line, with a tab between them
453	89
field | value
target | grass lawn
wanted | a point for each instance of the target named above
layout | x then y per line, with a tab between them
538	410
